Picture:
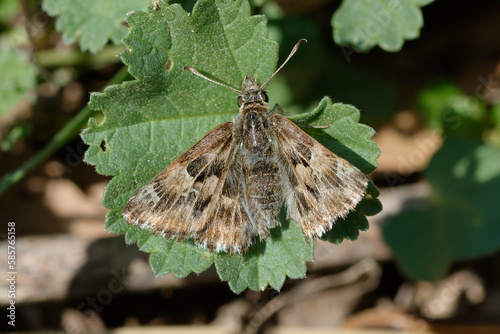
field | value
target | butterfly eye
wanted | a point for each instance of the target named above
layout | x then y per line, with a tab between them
264	96
240	101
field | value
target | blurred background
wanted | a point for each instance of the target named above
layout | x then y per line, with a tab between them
425	75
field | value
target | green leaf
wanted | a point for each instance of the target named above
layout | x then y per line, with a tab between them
284	253
18	78
169	256
462	219
92	22
364	24
464	117
150	121
495	114
344	136
8	9
434	99
494	137
448	109
356	221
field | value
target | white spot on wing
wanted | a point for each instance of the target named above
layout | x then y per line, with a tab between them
150	190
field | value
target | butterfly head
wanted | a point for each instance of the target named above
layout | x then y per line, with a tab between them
251	92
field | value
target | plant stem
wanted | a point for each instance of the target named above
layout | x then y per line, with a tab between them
70	130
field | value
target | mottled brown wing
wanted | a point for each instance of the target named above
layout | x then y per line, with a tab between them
198	196
321	186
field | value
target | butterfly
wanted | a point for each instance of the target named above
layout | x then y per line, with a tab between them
229	187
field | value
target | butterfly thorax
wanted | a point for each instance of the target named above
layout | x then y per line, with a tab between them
253	126
255	135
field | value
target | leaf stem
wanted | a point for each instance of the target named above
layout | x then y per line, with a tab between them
70	130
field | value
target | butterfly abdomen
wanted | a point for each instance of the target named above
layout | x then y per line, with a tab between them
264	192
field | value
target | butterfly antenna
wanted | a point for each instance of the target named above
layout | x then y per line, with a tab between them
192	70
295	48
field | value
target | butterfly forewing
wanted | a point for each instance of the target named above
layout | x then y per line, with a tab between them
321	186
198	196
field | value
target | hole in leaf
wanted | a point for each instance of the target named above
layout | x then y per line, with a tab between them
168	65
103	145
97	118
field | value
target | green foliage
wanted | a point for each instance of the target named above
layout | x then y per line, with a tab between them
7	10
449	110
495	114
495	119
434	99
464	117
18	78
354	144
461	221
92	22
283	253
169	256
13	136
326	74
364	24
150	121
